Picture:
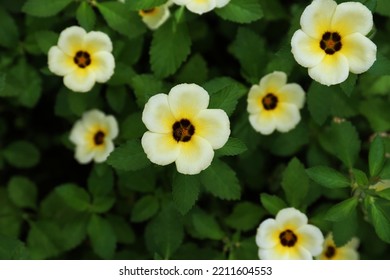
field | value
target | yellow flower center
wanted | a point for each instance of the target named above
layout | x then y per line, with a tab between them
269	101
98	138
331	42
147	12
183	130
82	59
288	238
330	252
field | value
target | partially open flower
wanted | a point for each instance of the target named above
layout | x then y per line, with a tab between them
93	136
273	104
346	252
380	185
155	17
201	6
182	129
288	236
82	58
332	40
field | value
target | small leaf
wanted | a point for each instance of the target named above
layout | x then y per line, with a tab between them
360	177
327	177
319	101
295	183
185	191
85	16
22	191
144	209
44	8
233	146
342	210
9	33
376	156
144	4
245	216
241	11
22	154
128	157
206	225
102	236
74	196
272	203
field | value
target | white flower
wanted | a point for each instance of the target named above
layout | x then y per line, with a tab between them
182	129
82	58
332	41
288	236
380	185
201	6
273	104
346	252
155	17
93	136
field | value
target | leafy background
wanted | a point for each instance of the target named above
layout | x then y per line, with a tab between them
127	208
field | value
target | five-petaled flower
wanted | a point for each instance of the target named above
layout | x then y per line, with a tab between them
182	129
332	40
288	236
93	135
273	104
201	6
155	17
346	252
82	58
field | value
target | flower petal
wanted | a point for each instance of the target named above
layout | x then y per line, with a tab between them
214	126
200	7
181	2
351	17
359	51
346	254
103	65
286	117
332	70
195	156
311	238
316	18
272	254
71	40
77	134
93	118
263	122
159	16
96	41
187	100
291	94
84	154
59	62
80	80
306	50
157	115
160	149
272	82
268	234
221	3
112	127
299	253
254	99
290	218
102	153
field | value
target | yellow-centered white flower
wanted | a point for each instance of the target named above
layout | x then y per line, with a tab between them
201	6
346	252
82	58
332	40
93	136
274	104
155	17
182	129
288	237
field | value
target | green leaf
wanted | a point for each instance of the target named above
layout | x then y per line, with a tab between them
128	157
44	8
376	156
102	204
85	16
102	236
45	40
349	85
116	97
194	71
327	177
379	216
100	181
41	241
170	36
185	191
22	191
381	66
344	230
132	127
272	203
360	177
376	112
206	225
220	180
241	11
74	196
384	194
144	209
245	216
319	101
123	232
12	249
144	4
342	210
233	147
22	154
145	86
9	33
295	183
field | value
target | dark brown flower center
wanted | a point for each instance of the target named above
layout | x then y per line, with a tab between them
330	252
331	42
270	101
183	130
288	238
82	59
98	138
147	11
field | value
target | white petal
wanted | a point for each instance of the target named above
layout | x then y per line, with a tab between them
102	153
155	19
93	118
292	94
187	100
80	80
96	41
311	238
77	134
359	51
195	156
161	149
181	2
200	7
71	40
271	254
157	115
299	253
268	234
59	62
84	154
316	18
290	218
346	254
272	82
255	96
222	3
214	126
332	70
103	65
263	122
306	50
112	127
287	117
351	17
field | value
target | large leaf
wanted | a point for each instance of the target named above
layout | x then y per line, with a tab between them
145	208
44	8
22	191
272	203
342	210
9	33
74	196
185	191
327	177
241	11
295	183
102	236
245	216
205	225
22	154
376	156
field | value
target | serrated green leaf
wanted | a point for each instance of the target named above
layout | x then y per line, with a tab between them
170	36
379	216
295	183
381	66
185	191
272	203
376	112
145	86
241	11
22	191
384	194
22	154
245	216
193	71
74	196
220	180
144	4
233	147
328	177
12	249
128	157
344	230
102	236
360	177
319	102
85	16
9	33
145	208
132	127
349	84
45	40
206	225
342	210
44	8
376	156
100	181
